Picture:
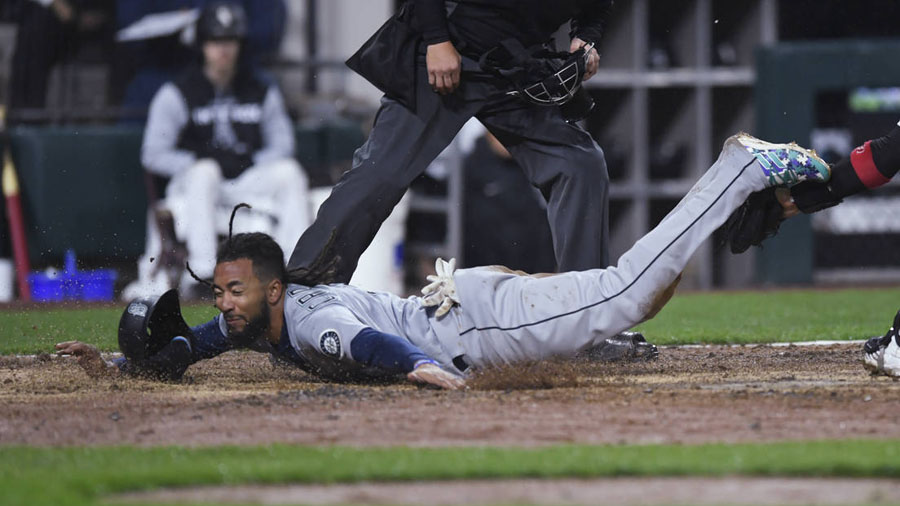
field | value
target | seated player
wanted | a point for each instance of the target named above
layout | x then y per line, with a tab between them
470	318
220	134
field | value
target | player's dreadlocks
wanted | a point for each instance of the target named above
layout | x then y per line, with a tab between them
321	271
260	248
268	257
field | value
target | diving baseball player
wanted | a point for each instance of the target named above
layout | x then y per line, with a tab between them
470	318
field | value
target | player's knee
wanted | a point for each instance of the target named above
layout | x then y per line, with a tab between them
204	172
288	171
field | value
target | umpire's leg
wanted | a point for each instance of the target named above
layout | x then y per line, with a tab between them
568	166
399	148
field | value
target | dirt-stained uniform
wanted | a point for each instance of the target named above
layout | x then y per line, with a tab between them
505	317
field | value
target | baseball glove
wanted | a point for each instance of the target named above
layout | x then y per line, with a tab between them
757	219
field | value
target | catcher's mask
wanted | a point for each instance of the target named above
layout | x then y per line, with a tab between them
149	323
561	86
221	20
559	76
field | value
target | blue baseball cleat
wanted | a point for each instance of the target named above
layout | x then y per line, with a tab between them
785	164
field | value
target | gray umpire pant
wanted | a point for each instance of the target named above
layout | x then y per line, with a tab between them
559	158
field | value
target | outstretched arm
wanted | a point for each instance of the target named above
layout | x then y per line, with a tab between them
88	357
868	166
394	354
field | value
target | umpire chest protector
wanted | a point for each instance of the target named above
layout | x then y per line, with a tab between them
244	114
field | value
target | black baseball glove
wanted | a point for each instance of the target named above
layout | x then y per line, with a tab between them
757	219
761	214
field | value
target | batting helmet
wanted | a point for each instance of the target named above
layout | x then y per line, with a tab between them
222	20
149	323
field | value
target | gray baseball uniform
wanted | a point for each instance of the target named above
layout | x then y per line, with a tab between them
505	317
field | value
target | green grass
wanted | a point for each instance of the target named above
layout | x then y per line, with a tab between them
83	475
717	317
37	330
774	316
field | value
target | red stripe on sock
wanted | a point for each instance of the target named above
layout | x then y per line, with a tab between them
864	165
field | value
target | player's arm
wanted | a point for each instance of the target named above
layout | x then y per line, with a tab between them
394	354
868	166
442	60
207	341
167	116
277	132
88	357
587	28
335	332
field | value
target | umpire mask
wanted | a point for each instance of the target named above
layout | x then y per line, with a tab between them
560	76
561	86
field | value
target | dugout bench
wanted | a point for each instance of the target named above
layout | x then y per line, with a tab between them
83	186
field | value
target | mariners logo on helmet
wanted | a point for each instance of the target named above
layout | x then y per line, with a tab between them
137	309
330	343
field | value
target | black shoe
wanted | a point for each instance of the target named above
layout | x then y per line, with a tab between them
627	346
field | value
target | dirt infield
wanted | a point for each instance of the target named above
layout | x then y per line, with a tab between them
690	395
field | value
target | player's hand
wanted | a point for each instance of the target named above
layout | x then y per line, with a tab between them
88	358
441	291
784	198
444	67
63	10
592	63
430	374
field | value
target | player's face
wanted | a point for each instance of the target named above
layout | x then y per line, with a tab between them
241	298
221	54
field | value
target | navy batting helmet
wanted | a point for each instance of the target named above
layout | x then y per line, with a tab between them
222	20
149	323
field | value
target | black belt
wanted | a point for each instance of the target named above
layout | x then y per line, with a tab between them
460	363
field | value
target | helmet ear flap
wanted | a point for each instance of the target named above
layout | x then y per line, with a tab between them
149	323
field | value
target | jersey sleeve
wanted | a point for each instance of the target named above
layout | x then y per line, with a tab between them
210	340
431	19
166	118
277	132
329	331
590	20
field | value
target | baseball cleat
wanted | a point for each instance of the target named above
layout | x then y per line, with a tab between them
873	354
627	346
882	354
785	164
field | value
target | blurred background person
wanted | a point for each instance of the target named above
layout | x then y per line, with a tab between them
220	135
156	42
51	32
505	217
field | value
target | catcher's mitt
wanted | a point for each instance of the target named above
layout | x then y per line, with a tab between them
757	219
